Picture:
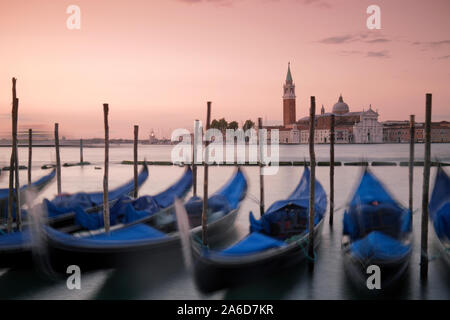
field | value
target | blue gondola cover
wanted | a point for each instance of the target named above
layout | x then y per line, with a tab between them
141	233
376	223
439	206
127	210
285	212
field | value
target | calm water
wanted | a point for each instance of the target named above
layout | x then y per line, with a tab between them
163	281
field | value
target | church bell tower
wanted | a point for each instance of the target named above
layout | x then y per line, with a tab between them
289	99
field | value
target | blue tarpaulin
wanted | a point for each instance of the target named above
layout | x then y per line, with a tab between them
75	203
141	233
222	201
373	209
254	242
135	234
440	205
290	217
127	210
376	223
92	199
289	213
378	245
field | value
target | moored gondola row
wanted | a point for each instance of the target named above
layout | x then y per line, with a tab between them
377	230
112	229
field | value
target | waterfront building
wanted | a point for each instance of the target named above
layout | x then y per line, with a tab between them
399	132
351	127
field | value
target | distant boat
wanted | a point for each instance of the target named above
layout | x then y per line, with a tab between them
15	247
146	238
439	208
277	240
377	231
36	186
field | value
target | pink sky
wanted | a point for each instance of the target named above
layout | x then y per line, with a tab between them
157	62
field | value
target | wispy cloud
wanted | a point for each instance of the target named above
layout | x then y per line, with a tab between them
318	3
359	37
378	40
338	39
350	52
223	3
227	3
432	44
378	54
367	54
444	57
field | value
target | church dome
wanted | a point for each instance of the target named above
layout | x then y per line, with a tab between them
341	107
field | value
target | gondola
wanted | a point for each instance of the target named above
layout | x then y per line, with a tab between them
276	241
15	247
439	208
60	210
36	187
377	231
152	237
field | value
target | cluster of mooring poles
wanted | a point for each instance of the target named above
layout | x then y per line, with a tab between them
14	199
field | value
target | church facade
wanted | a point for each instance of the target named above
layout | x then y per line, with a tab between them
351	127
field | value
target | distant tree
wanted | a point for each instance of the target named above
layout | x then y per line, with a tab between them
248	124
223	124
215	124
233	125
220	124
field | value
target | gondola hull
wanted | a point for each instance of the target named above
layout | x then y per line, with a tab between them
36	187
15	256
124	255
439	213
212	274
18	254
444	248
391	271
16	248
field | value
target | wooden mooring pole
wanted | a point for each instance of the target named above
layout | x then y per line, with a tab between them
58	159
14	186
135	154
312	177
426	190
205	181
30	154
332	136
16	158
194	157
261	167
81	152
16	170
412	131
105	176
11	190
